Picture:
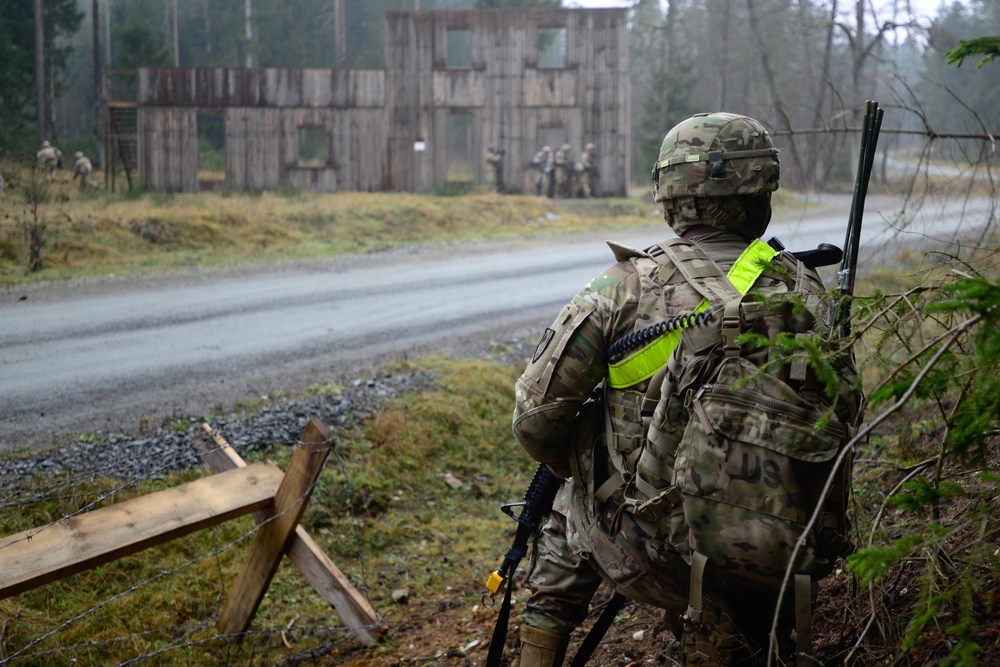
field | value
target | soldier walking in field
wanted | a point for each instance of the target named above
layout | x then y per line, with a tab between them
48	159
83	169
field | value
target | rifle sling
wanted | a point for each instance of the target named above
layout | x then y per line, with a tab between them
597	632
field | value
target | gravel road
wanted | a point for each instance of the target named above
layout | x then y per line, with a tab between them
464	300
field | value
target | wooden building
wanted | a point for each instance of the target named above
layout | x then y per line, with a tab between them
455	82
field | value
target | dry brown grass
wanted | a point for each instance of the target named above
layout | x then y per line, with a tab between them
90	233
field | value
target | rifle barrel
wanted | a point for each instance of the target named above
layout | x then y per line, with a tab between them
866	158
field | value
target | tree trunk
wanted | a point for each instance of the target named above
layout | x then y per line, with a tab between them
822	83
177	41
51	104
784	122
340	32
248	29
40	72
208	30
36	239
725	14
98	88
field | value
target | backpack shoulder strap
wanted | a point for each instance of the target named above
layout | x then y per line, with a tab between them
623	253
699	270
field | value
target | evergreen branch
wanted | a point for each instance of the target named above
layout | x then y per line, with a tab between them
978	46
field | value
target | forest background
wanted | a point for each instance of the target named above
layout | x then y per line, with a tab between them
804	67
927	482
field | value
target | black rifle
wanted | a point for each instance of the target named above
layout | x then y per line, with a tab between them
535	507
537	504
849	265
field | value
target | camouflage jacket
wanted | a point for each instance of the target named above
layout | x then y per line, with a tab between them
571	359
559	417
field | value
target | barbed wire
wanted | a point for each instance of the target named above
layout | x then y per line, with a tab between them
121	472
166	573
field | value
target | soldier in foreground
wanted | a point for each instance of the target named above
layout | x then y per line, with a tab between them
585	408
48	159
82	169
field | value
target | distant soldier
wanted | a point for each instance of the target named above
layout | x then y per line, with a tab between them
48	158
494	160
564	171
587	171
83	169
543	163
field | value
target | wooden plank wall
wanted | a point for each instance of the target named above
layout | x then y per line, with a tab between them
263	111
374	118
512	99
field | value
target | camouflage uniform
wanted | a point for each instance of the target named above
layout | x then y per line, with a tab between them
543	163
494	160
48	158
587	173
559	416
564	172
83	169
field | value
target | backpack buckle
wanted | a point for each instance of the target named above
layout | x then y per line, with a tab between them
731	328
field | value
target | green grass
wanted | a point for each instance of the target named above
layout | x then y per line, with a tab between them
381	511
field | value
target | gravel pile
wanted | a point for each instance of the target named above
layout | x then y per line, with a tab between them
170	446
134	458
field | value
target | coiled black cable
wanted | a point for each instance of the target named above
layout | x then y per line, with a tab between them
643	336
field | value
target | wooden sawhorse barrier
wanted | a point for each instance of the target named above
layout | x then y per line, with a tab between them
277	500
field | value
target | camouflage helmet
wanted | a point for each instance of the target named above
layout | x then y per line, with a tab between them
590	147
565	148
46	144
78	154
715	155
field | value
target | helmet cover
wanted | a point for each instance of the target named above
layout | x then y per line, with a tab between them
716	155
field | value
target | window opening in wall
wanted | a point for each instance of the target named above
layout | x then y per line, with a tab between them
459	156
313	148
459	45
211	129
552	47
553	137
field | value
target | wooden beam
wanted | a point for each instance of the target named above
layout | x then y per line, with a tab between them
84	541
321	572
274	535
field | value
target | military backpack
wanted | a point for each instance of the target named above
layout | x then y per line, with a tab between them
742	438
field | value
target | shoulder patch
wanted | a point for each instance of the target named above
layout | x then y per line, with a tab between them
543	344
624	253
